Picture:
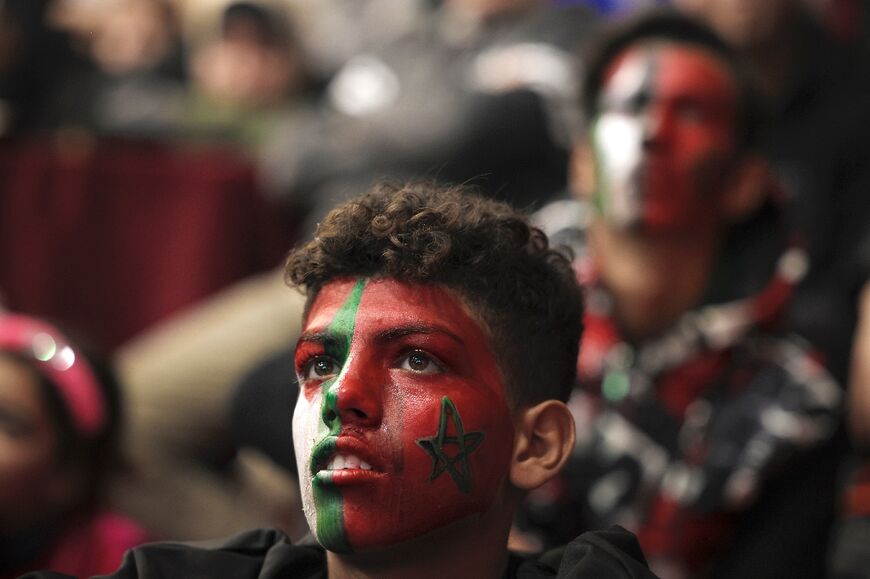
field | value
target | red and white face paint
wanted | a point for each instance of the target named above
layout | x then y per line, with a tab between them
664	137
402	424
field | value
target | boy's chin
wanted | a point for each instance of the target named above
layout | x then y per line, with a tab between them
375	547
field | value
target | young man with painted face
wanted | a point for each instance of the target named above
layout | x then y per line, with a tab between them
439	341
697	422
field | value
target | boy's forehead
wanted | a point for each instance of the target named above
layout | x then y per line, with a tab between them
390	302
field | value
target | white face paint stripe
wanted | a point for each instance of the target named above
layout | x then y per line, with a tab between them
618	136
618	143
306	432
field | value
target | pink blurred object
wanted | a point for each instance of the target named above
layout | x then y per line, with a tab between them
55	358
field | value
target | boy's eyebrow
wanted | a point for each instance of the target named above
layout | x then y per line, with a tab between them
318	337
393	334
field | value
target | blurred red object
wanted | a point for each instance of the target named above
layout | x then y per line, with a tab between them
845	19
110	236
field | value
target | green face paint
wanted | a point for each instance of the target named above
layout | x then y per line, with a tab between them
328	502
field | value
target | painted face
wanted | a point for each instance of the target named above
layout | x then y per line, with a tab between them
663	138
402	425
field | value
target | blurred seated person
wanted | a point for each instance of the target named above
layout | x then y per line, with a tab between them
136	74
850	539
59	419
140	52
478	92
701	427
247	77
438	344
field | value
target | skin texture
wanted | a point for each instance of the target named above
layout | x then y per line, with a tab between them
27	448
663	139
402	377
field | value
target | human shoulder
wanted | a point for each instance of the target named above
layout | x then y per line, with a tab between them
613	553
260	553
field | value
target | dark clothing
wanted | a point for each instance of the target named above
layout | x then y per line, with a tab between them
850	547
694	438
267	554
818	146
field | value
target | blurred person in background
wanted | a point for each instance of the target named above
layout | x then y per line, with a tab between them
59	422
181	373
479	91
139	52
111	67
701	426
817	143
247	77
438	346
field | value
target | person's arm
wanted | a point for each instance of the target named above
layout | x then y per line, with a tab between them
858	407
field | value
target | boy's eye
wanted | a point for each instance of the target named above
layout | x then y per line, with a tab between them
319	368
419	362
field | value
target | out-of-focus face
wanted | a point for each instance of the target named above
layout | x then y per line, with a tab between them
242	68
402	424
663	137
28	446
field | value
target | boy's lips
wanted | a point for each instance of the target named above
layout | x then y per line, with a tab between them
344	459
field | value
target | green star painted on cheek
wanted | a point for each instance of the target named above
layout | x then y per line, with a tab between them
456	465
327	499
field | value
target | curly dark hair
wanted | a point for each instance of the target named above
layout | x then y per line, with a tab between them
526	293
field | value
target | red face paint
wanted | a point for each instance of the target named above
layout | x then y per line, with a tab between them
664	137
402	424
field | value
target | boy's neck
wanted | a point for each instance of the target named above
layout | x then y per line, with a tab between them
653	279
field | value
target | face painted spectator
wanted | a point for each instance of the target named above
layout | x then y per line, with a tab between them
817	87
686	266
254	61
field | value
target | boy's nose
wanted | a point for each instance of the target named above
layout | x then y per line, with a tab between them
354	398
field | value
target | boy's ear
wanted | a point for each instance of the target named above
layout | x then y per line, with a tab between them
544	441
748	190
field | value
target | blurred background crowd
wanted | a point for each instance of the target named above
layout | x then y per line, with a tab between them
159	157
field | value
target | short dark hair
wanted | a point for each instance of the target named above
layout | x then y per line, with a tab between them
669	25
525	292
271	26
